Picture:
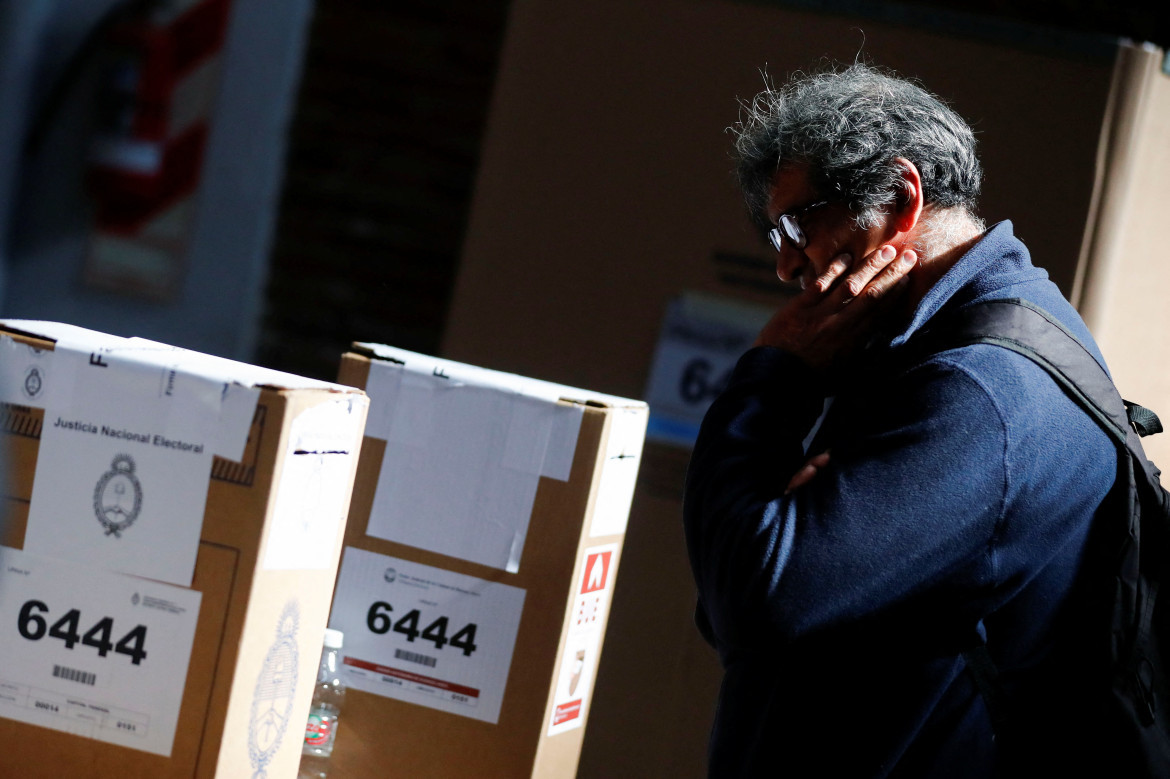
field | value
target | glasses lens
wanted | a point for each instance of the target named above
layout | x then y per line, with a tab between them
774	237
792	231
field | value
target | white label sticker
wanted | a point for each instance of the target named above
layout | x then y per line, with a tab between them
42	379
579	660
463	463
619	472
28	377
93	653
122	474
425	635
315	483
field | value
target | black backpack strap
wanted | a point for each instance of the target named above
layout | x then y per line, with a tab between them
1026	329
1144	421
1030	331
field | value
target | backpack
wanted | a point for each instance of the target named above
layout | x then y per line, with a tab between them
1132	712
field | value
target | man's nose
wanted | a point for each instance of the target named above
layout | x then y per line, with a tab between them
789	263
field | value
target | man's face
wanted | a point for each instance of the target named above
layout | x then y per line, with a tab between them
829	229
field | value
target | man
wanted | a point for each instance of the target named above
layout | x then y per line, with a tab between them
944	500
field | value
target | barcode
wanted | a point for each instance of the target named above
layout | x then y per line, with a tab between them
73	675
415	657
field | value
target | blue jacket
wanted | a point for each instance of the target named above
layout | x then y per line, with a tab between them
954	510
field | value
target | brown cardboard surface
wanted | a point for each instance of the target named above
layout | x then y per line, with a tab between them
376	732
1123	265
241	607
269	594
606	189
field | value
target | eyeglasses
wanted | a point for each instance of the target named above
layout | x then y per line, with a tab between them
788	227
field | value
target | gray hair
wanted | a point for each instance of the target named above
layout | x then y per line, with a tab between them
848	127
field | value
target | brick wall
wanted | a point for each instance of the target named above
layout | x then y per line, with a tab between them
382	160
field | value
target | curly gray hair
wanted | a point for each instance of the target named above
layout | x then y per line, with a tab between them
848	127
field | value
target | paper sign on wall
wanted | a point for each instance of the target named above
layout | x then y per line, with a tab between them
701	339
425	635
93	653
578	663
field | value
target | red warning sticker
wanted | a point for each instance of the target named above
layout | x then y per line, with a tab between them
578	662
567	711
597	567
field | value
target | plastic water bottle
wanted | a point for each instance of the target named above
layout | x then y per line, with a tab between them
328	696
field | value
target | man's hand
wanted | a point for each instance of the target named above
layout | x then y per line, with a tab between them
832	316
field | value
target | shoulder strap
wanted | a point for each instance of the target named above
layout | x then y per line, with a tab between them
1030	331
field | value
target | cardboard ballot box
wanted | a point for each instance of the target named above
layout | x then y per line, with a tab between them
479	564
171	533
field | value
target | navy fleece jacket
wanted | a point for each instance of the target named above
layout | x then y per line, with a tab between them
954	509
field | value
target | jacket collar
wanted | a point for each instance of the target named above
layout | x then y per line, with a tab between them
997	261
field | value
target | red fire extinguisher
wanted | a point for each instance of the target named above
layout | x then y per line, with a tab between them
147	152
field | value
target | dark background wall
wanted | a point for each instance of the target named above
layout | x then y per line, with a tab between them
381	165
384	143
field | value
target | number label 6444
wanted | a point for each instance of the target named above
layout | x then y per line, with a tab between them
379	621
33	624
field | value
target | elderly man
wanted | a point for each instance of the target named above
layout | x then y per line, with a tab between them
864	516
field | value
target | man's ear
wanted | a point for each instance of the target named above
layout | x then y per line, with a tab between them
908	203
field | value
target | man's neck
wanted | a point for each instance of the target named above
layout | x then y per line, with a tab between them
941	241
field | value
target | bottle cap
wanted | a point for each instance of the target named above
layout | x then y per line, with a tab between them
333	638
